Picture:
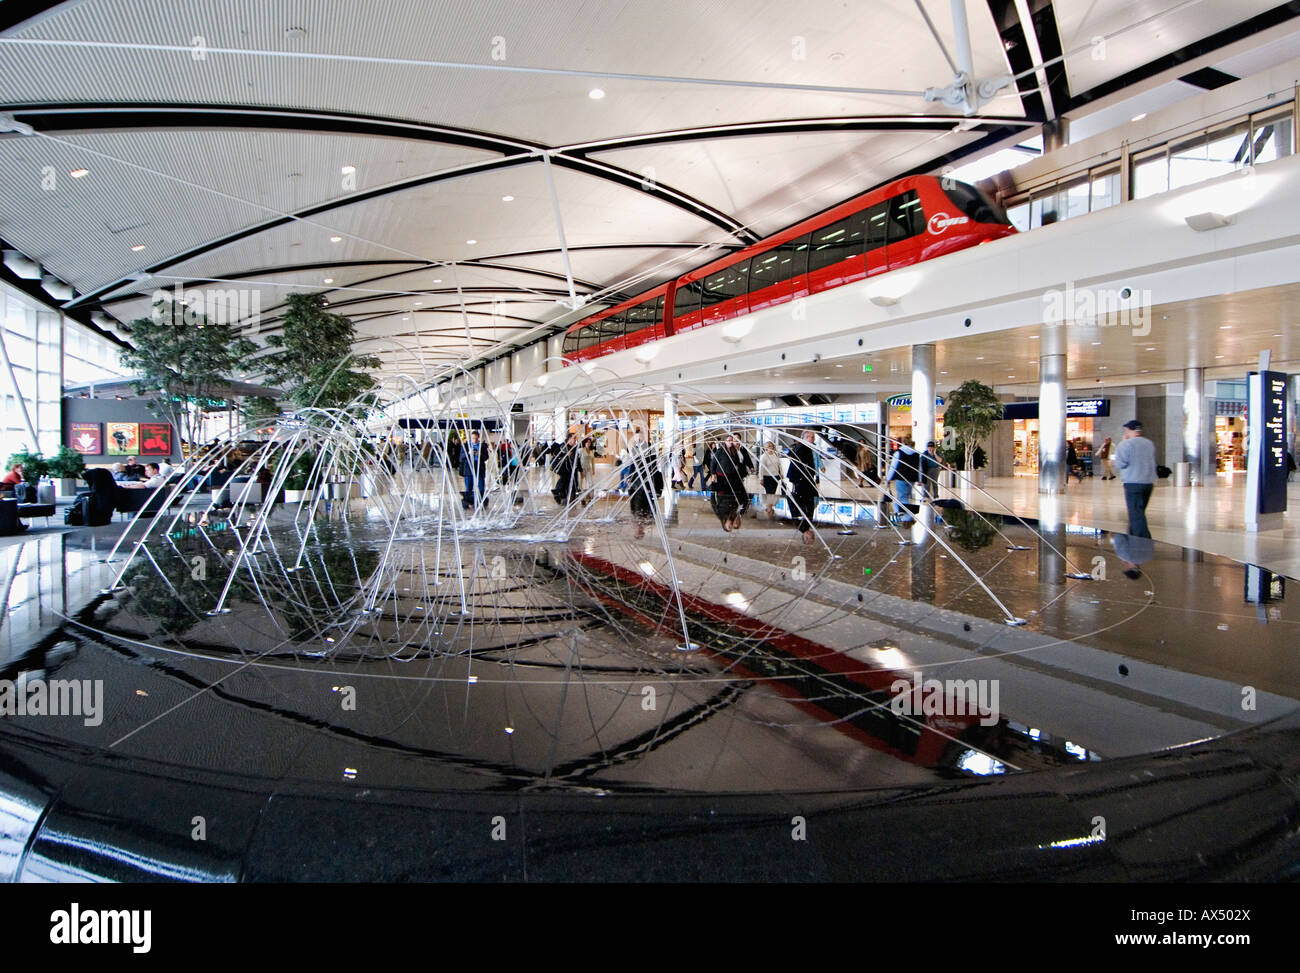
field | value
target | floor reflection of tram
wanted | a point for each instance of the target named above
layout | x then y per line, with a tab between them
850	695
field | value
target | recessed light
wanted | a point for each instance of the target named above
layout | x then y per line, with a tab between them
1277	334
1138	117
418	303
137	248
595	94
348	170
78	173
1103	366
471	242
1152	348
979	357
1032	337
1096	342
329	280
1225	327
437	280
335	239
1218	356
406	319
507	199
839	366
943	373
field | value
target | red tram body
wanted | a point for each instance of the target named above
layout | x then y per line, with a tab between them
909	221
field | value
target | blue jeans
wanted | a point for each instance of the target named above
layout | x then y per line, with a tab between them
1136	497
903	494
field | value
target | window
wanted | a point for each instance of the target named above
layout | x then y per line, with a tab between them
1207	156
1072	200
643	315
972	203
687	299
33	340
725	284
1105	190
877	223
905	216
792	258
837	242
763	269
1019	216
1273	136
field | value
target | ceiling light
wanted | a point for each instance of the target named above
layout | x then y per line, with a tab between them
335	239
418	303
1138	117
295	32
507	199
1096	342
1225	327
979	357
1151	348
78	173
437	280
1218	356
348	170
839	366
471	242
1200	222
137	248
22	266
595	94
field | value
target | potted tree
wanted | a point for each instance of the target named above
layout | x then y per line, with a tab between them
973	408
35	466
68	466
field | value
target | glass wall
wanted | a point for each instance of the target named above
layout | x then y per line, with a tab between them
32	344
44	350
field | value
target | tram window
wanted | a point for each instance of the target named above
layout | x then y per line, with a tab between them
570	343
715	288
641	316
975	204
905	216
737	280
792	258
763	269
837	242
877	220
687	299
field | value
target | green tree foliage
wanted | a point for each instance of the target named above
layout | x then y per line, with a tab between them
314	362
973	408
183	359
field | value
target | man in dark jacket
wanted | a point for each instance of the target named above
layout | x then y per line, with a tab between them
905	473
568	472
473	467
730	464
802	474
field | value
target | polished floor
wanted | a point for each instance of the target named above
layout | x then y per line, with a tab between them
358	698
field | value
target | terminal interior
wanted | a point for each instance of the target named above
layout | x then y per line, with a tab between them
325	648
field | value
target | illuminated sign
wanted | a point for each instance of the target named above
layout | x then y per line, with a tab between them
905	401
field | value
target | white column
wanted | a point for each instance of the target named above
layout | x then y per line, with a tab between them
1051	424
669	446
923	359
1194	422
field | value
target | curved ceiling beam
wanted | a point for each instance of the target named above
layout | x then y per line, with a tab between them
83	117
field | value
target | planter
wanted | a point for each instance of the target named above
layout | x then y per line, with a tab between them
68	486
299	496
342	491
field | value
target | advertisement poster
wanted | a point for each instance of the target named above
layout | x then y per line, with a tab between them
155	439
86	438
123	438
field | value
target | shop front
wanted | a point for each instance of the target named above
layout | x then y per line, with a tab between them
1079	429
900	418
1229	436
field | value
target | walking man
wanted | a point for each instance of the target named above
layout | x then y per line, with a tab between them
802	474
1135	458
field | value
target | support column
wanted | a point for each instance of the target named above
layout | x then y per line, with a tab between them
1194	444
923	358
670	444
1051	424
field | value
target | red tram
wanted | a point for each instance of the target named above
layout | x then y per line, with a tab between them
908	221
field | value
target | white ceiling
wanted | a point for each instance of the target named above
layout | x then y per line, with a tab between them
216	138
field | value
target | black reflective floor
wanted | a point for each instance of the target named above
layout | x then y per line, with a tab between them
331	700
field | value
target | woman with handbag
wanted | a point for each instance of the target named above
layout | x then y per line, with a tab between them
769	475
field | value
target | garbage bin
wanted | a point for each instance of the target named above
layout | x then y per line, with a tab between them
1182	474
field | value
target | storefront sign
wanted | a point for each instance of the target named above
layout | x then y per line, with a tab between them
1074	409
904	401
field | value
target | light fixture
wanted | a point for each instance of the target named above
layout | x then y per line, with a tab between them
733	331
595	94
471	242
437	280
56	288
1138	117
335	239
348	170
646	353
1200	222
78	173
507	199
22	266
418	303
329	280
137	248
